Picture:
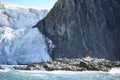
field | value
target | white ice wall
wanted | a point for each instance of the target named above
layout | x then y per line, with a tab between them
19	42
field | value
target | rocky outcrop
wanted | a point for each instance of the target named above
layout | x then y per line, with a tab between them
84	64
2	68
76	26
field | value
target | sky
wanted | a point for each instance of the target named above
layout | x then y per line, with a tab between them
34	3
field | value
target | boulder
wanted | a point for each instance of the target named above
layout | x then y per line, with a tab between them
2	68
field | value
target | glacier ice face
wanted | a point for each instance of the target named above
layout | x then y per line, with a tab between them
3	20
19	16
19	42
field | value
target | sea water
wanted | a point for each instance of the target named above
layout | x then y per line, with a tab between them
59	75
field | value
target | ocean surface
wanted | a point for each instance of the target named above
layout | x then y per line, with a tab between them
59	75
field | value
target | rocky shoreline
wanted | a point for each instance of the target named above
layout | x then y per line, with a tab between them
84	64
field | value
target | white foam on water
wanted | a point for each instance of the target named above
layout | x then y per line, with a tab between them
4	70
113	74
58	72
8	68
114	71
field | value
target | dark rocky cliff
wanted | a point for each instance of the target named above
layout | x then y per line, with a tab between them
76	26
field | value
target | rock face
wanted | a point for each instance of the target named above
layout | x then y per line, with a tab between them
76	26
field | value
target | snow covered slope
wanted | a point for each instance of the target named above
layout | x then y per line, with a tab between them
19	42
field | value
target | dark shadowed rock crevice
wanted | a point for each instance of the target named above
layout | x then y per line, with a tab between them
76	26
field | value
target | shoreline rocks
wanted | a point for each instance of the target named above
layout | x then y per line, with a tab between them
2	68
90	64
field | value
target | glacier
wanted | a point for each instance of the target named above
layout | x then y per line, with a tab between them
19	42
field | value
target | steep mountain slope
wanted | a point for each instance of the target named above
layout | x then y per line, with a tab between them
77	26
19	42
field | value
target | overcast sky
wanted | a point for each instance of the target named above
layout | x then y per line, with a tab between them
34	3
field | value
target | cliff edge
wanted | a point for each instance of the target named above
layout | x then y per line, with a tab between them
76	26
